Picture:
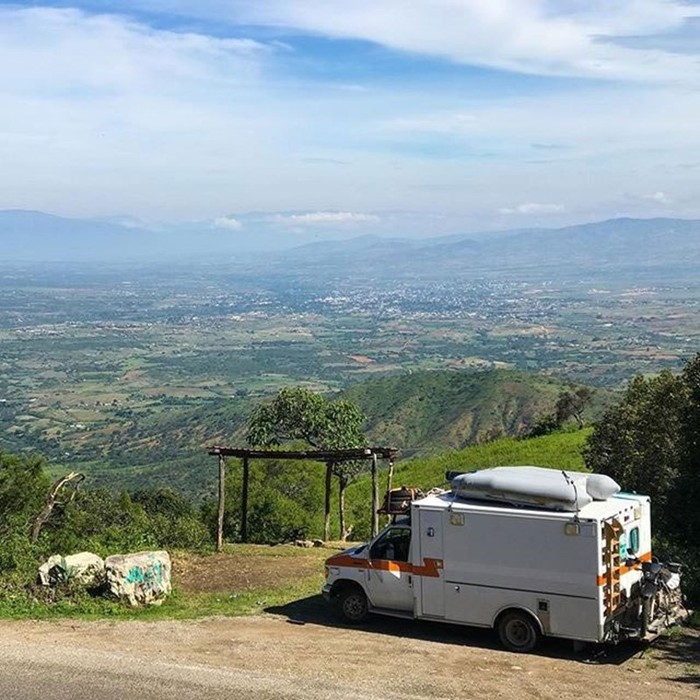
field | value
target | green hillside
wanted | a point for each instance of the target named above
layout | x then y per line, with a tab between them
558	451
426	412
420	413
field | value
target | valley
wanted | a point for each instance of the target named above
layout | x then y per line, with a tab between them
128	372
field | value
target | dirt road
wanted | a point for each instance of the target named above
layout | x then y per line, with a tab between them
303	654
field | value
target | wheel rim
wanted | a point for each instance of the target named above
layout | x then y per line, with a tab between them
518	632
353	606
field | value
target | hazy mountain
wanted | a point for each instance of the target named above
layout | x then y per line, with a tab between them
638	241
627	243
32	236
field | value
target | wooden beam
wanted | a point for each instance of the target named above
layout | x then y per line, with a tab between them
375	497
222	504
340	455
244	501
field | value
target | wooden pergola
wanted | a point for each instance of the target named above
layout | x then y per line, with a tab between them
329	457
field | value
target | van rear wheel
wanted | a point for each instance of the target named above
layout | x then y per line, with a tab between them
351	603
517	631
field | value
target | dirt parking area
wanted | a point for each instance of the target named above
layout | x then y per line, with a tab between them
301	650
302	646
256	567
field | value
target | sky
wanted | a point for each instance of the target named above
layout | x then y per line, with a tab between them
397	117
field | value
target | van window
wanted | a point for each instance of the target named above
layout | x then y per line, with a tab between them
633	545
393	545
624	549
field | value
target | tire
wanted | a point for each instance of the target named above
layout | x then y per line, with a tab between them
351	604
518	632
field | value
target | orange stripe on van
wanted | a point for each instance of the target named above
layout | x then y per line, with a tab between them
603	578
430	567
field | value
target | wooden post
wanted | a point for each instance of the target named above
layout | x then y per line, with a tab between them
375	496
390	474
389	479
327	512
341	510
222	504
244	501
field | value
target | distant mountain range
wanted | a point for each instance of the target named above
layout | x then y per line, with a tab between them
615	244
27	236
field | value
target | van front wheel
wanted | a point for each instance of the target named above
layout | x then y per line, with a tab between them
352	605
517	631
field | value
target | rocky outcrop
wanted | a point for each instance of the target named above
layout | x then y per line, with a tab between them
84	569
139	579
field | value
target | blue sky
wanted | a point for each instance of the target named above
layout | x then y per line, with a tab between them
351	117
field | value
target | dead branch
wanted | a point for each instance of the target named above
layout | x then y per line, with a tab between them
52	500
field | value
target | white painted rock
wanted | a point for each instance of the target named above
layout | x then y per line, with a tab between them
85	569
142	578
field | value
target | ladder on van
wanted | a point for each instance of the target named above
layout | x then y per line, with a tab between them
612	529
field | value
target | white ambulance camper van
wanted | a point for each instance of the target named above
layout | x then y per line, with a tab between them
524	550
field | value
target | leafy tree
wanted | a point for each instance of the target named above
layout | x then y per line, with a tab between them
163	500
546	425
298	414
638	442
572	403
650	443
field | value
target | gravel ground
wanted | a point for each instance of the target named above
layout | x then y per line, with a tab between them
303	653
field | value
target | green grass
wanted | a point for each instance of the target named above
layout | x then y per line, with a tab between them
560	451
556	451
20	601
178	606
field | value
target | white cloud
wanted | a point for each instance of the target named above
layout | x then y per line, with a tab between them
327	217
530	208
659	197
102	114
66	52
142	119
529	36
228	223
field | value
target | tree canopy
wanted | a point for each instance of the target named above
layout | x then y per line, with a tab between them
571	404
650	443
298	414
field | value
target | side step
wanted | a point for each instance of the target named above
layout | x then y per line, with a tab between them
404	614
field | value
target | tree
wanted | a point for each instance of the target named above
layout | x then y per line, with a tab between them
298	414
650	443
638	441
23	487
571	404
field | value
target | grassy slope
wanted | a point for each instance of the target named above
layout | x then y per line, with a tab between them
558	451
